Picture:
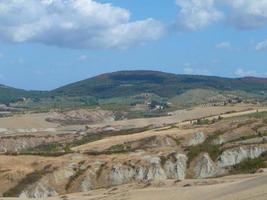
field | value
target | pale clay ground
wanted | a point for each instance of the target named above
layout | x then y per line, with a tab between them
107	142
38	120
240	187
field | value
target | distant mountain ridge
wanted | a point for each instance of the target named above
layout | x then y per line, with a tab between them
125	83
128	83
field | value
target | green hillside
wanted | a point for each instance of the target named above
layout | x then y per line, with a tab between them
128	83
10	94
124	89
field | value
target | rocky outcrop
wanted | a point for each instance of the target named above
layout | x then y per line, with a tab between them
176	169
14	144
48	185
234	156
153	142
219	140
120	174
86	185
82	116
90	175
197	138
205	167
38	190
156	169
83	176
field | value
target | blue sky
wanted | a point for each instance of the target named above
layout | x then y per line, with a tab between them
49	43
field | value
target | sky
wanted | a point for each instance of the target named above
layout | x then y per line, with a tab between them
45	44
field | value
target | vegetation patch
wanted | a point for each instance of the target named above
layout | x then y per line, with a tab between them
101	135
207	121
207	146
249	166
178	141
242	138
79	172
213	150
259	115
120	148
52	149
28	180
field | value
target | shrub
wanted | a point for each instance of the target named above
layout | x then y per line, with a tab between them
51	149
248	166
120	148
213	150
207	146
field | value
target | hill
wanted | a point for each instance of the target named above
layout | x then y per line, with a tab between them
128	83
127	90
10	94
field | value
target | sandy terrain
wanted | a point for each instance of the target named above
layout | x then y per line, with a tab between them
33	123
184	115
39	120
18	166
251	188
108	142
240	187
26	121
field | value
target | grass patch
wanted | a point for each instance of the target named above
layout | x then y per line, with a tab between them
178	141
120	148
207	146
52	149
207	121
259	115
249	137
99	136
248	166
202	122
173	126
213	150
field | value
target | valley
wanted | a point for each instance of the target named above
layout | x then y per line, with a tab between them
47	159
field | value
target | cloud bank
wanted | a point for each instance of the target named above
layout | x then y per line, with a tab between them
242	14
196	14
74	24
89	24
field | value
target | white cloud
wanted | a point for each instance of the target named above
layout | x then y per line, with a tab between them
247	13
223	45
243	14
196	14
74	24
82	58
261	46
243	73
